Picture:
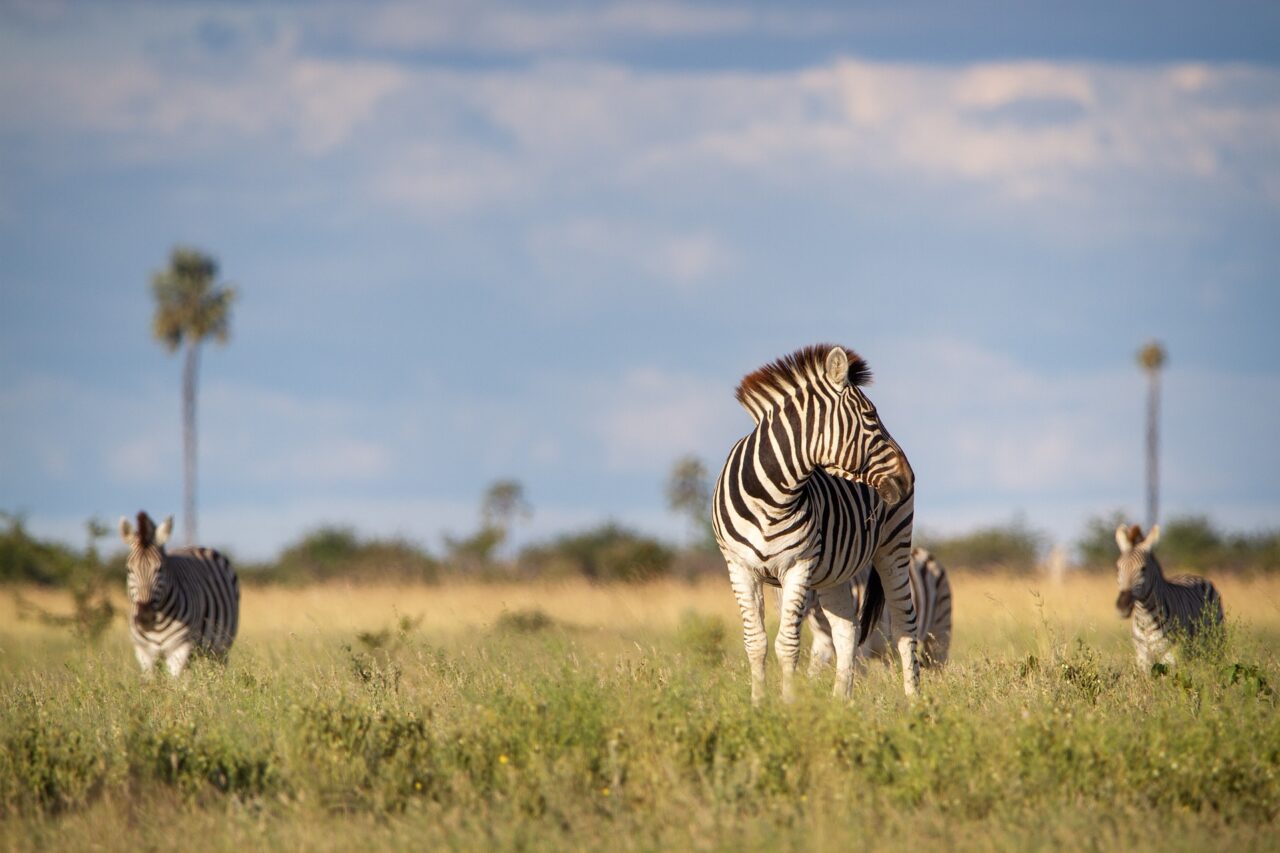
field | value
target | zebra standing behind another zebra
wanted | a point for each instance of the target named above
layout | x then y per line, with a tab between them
815	493
1163	609
179	603
931	594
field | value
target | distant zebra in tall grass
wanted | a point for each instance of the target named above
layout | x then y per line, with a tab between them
815	493
1163	609
931	594
181	602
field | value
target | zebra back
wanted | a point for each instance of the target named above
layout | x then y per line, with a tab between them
208	596
1187	602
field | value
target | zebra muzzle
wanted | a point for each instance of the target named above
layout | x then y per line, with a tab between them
144	616
1124	603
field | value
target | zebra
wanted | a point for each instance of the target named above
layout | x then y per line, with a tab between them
181	602
931	595
1163	609
815	493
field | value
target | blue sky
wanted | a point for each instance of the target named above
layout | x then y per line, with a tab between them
544	241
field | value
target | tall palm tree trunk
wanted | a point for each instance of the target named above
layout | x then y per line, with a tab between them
189	369
1153	448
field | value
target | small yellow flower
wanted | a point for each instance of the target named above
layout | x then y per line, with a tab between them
417	786
502	759
604	792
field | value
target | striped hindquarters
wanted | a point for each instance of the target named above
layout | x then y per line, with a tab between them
1187	603
931	595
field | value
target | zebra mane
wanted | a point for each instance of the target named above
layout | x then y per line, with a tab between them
1135	535
804	367
146	529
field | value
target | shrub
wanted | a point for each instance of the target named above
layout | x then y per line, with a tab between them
1012	547
25	559
608	553
1187	544
329	553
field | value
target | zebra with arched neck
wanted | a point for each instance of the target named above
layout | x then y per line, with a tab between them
815	492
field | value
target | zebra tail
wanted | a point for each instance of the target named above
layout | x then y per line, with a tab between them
872	606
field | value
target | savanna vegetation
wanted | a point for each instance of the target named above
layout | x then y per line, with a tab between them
590	691
547	715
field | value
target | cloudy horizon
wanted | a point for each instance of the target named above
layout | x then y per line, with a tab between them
478	242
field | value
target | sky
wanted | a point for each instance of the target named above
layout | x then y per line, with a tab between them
544	241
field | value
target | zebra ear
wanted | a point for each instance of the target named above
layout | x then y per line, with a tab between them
163	531
1152	538
126	530
1123	540
837	367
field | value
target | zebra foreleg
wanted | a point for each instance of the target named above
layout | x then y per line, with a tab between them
749	592
795	586
176	660
842	608
895	573
146	658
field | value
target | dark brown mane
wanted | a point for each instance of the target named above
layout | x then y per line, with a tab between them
1135	534
795	369
146	530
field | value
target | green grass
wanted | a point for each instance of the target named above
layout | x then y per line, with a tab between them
536	733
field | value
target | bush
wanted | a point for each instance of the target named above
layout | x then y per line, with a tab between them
1013	547
329	553
24	559
608	553
1187	544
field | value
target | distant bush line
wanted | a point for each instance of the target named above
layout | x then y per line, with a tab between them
613	553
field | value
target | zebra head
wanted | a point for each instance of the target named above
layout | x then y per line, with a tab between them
146	556
852	442
1136	566
825	420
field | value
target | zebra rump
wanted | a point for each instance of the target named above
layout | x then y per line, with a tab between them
931	594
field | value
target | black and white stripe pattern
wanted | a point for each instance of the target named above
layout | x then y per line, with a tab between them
815	493
931	595
1163	609
179	603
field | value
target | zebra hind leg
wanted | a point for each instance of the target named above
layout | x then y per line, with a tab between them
842	608
894	571
823	651
749	592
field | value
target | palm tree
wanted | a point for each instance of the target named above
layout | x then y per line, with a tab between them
189	308
1152	358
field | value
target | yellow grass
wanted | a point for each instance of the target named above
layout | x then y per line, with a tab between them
994	614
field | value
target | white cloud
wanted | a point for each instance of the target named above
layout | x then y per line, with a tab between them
648	418
1027	135
440	179
145	107
600	251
